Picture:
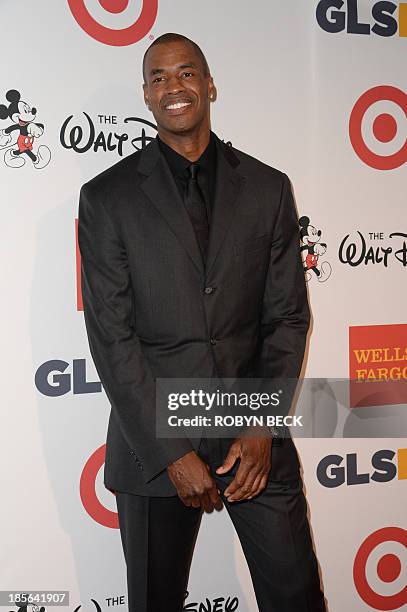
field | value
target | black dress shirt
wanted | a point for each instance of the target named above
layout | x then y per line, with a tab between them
178	165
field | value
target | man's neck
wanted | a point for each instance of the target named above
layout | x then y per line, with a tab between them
191	145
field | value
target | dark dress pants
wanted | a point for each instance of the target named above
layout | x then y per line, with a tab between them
159	533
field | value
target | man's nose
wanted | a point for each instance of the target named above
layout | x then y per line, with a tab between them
174	84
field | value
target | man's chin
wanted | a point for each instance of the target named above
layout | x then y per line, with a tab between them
178	128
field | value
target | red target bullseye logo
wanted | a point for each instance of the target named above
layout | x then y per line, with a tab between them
88	494
384	127
110	36
389	568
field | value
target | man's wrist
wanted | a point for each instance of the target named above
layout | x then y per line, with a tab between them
257	430
175	462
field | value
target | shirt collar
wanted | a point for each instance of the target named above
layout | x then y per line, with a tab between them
178	163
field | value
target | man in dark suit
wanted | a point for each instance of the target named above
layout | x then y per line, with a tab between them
191	268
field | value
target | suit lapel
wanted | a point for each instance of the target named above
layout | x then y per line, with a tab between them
228	184
162	191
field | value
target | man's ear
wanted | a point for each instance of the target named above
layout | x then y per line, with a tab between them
146	95
211	90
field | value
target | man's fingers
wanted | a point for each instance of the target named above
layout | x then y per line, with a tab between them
246	488
185	500
261	487
190	500
207	502
254	487
195	502
219	504
245	468
256	490
210	500
258	486
230	459
236	483
215	498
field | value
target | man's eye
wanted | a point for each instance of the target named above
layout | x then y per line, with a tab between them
157	79
188	73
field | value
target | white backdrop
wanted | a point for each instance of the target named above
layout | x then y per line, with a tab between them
286	91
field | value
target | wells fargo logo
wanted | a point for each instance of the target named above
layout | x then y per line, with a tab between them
378	365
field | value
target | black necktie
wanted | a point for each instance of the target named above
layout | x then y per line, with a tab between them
195	205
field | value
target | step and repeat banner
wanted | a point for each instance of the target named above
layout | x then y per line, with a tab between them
317	89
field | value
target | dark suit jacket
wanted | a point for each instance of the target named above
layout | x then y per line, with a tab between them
146	311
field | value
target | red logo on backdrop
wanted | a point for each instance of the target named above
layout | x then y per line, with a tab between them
385	127
387	566
378	365
111	36
88	494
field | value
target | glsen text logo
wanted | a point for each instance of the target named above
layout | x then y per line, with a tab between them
54	378
385	18
334	470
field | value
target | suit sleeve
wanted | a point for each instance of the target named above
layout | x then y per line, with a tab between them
115	347
285	311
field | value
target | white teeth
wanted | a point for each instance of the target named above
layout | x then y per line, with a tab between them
178	105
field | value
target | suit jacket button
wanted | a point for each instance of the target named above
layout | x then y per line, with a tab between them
208	290
213	340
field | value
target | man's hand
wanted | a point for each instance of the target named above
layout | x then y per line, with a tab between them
194	483
255	464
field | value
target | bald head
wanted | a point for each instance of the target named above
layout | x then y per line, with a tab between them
172	37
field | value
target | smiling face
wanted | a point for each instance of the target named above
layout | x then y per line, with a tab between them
177	88
25	113
314	235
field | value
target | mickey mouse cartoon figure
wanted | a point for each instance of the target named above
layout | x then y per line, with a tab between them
311	245
22	133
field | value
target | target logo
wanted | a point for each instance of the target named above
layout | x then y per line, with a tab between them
380	569
378	127
89	496
115	22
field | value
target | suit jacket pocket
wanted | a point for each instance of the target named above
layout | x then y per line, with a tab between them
252	244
